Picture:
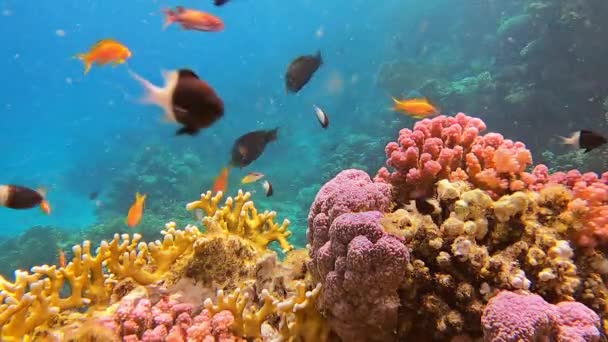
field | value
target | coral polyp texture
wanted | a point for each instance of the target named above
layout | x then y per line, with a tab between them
111	287
495	226
511	316
452	148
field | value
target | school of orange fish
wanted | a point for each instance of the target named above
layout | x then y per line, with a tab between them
191	103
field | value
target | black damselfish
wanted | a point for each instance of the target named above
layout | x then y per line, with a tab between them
250	146
300	71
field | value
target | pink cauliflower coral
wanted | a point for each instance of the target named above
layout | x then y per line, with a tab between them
528	317
136	319
359	264
451	148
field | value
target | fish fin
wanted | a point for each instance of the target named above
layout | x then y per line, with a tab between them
272	135
319	57
186	130
45	207
42	191
85	59
180	9
169	18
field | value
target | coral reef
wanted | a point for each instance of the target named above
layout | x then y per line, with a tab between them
511	316
33	299
505	230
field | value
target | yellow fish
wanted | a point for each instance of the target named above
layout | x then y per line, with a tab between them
252	177
103	52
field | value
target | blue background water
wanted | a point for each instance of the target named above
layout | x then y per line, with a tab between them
75	134
56	120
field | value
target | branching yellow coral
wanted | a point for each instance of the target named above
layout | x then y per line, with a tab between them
35	296
247	320
300	320
239	217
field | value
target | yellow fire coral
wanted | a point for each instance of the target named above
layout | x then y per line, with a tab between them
239	217
33	298
299	318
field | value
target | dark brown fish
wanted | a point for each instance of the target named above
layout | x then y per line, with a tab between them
20	197
93	195
585	139
219	2
250	146
185	99
424	207
300	71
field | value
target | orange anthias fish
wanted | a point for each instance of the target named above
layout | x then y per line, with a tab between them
221	181
418	108
136	211
103	52
190	19
61	258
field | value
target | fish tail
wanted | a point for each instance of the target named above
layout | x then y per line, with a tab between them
45	207
85	59
169	18
151	91
272	134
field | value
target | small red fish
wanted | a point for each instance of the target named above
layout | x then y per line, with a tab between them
190	19
221	181
61	258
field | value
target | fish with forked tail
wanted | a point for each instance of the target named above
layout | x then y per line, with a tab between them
185	99
585	139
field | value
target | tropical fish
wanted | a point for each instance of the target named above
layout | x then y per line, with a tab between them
267	188
20	197
190	19
252	177
185	99
103	52
585	139
136	211
300	71
61	258
417	108
220	2
221	181
250	146
321	116
424	207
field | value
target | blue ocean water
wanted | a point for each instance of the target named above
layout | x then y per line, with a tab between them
76	134
72	133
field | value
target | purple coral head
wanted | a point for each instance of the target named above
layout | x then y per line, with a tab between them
510	316
362	268
350	191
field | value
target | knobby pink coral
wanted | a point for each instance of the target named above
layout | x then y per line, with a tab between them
360	265
528	317
451	148
136	319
